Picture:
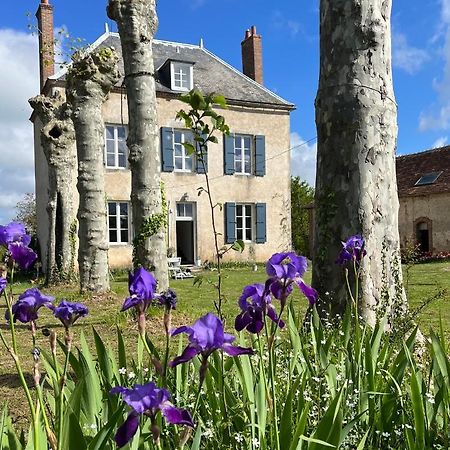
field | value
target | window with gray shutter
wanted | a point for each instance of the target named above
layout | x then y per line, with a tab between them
228	154
167	149
230	222
261	228
260	156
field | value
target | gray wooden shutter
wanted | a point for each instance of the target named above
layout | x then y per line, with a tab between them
261	228
230	222
202	166
228	154
260	156
167	149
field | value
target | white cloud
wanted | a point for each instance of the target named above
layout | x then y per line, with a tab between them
303	159
438	116
440	142
280	22
19	80
406	57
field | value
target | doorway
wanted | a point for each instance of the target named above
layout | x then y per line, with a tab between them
423	236
186	232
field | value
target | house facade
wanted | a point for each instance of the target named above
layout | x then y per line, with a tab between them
249	170
424	194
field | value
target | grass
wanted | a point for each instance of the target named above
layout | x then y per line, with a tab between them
423	281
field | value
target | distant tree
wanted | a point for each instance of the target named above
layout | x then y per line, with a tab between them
26	212
356	188
302	194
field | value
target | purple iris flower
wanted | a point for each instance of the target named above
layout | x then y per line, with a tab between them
352	250
285	269
69	312
24	256
26	308
253	312
142	287
147	399
168	299
13	232
206	336
3	284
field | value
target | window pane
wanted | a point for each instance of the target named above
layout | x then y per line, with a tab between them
112	236
124	222
124	236
239	222
112	222
111	209
177	137
188	163
124	209
247	142
238	210
121	132
239	234
248	210
109	132
188	209
248	222
178	149
248	235
110	146
122	161
178	163
180	209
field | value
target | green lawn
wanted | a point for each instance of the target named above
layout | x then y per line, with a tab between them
424	282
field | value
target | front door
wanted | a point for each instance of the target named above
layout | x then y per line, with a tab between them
185	230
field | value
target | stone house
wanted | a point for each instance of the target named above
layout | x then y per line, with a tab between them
423	181
249	170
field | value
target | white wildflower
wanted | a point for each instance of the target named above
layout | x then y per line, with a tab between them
122	371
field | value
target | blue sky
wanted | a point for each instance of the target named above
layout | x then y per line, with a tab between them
290	31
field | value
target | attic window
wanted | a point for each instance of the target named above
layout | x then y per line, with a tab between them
429	178
181	76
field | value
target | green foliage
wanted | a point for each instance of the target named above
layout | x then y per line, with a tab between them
302	195
150	226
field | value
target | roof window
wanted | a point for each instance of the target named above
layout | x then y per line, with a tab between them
181	76
429	178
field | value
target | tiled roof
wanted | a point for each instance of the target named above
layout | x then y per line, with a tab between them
211	74
410	168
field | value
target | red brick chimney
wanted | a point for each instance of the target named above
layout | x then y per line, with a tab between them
44	16
252	55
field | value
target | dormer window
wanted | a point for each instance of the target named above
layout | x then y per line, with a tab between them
181	76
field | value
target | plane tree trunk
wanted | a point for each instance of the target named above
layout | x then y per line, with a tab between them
89	82
356	189
57	137
137	23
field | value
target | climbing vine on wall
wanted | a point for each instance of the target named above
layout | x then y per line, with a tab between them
151	226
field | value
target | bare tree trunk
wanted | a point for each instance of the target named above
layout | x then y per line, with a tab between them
89	82
137	23
58	143
356	189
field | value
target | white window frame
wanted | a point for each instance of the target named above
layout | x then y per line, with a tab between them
184	154
183	70
242	138
116	147
118	227
184	217
244	216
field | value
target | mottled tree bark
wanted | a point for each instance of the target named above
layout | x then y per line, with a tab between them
356	189
137	23
58	143
89	82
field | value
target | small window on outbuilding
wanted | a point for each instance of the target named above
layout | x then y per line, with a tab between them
428	178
